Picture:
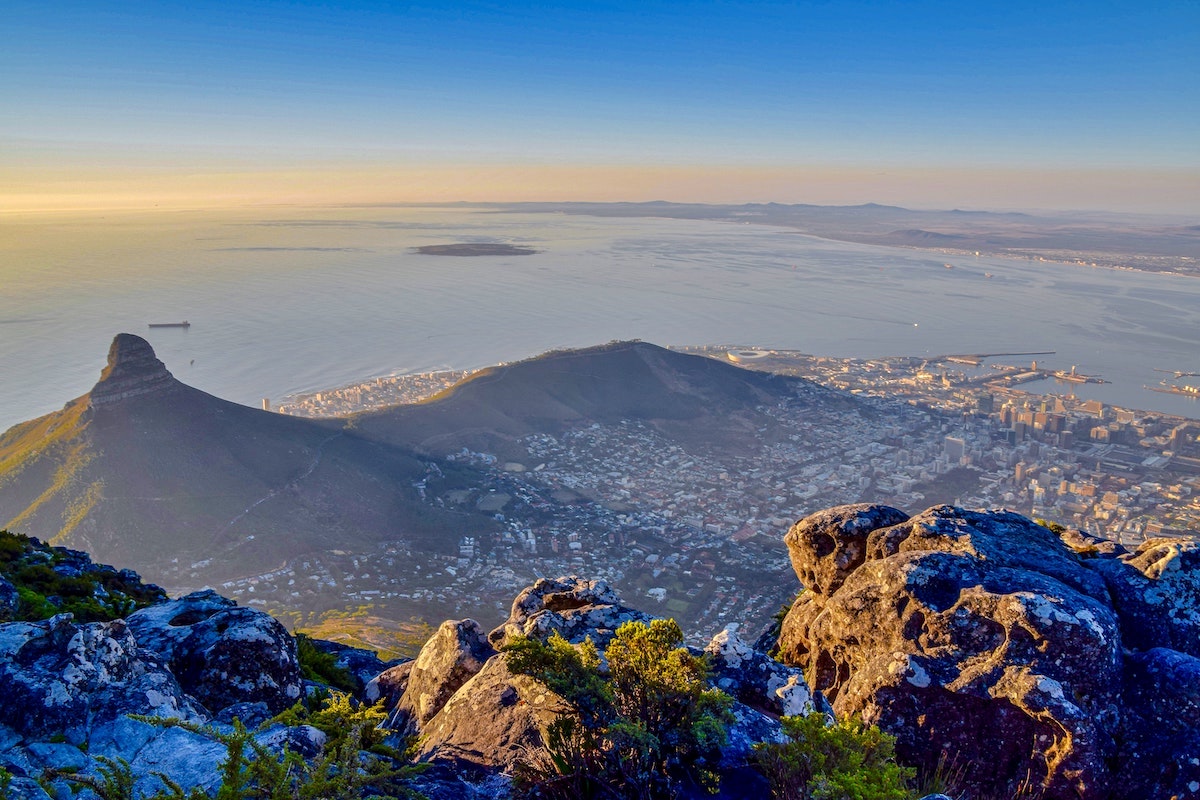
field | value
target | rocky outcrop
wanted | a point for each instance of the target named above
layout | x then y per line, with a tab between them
132	370
220	653
988	639
494	718
1156	591
448	660
60	679
572	607
364	666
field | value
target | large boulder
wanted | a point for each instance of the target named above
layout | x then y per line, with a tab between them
452	655
978	635
572	607
62	679
493	719
220	653
827	546
1156	591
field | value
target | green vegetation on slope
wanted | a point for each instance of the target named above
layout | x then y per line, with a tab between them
53	580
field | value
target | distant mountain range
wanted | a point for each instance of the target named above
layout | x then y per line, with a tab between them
1158	244
146	471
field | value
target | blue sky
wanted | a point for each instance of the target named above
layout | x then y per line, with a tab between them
140	91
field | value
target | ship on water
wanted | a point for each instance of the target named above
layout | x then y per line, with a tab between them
184	324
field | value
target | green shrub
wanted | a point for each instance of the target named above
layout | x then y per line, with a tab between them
353	764
845	761
651	726
322	667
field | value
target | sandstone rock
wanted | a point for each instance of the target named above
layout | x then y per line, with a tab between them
59	678
132	370
827	546
25	789
220	653
756	679
388	685
492	719
452	655
750	726
978	634
572	607
1156	591
1086	546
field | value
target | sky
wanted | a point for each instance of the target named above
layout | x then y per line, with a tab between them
1089	105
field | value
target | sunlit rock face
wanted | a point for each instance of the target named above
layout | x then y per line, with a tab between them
987	639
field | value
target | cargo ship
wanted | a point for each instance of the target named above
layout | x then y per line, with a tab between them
184	324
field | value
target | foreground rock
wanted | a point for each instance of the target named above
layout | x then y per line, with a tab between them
985	637
572	607
222	654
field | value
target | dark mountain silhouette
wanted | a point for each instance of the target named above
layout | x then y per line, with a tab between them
191	489
697	401
145	470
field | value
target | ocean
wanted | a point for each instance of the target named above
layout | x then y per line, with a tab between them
289	300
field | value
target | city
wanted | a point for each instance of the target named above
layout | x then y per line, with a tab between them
698	534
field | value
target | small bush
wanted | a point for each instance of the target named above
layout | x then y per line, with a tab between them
651	726
846	761
319	666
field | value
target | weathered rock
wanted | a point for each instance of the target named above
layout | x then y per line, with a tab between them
494	718
977	634
749	727
1086	545
572	607
452	655
59	678
25	789
756	679
132	370
827	546
388	685
1161	725
1156	591
220	653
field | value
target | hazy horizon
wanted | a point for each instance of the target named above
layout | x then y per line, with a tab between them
925	105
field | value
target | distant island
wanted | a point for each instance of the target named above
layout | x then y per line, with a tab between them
476	249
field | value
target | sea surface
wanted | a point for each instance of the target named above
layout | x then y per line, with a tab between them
290	300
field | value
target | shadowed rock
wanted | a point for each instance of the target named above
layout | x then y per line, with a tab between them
222	654
1156	591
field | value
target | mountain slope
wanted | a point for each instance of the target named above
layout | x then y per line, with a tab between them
697	400
145	470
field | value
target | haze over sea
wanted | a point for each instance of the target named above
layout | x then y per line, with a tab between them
291	300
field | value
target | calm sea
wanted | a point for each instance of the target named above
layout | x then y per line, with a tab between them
283	301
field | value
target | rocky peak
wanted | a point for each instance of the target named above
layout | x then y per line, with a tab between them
132	370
